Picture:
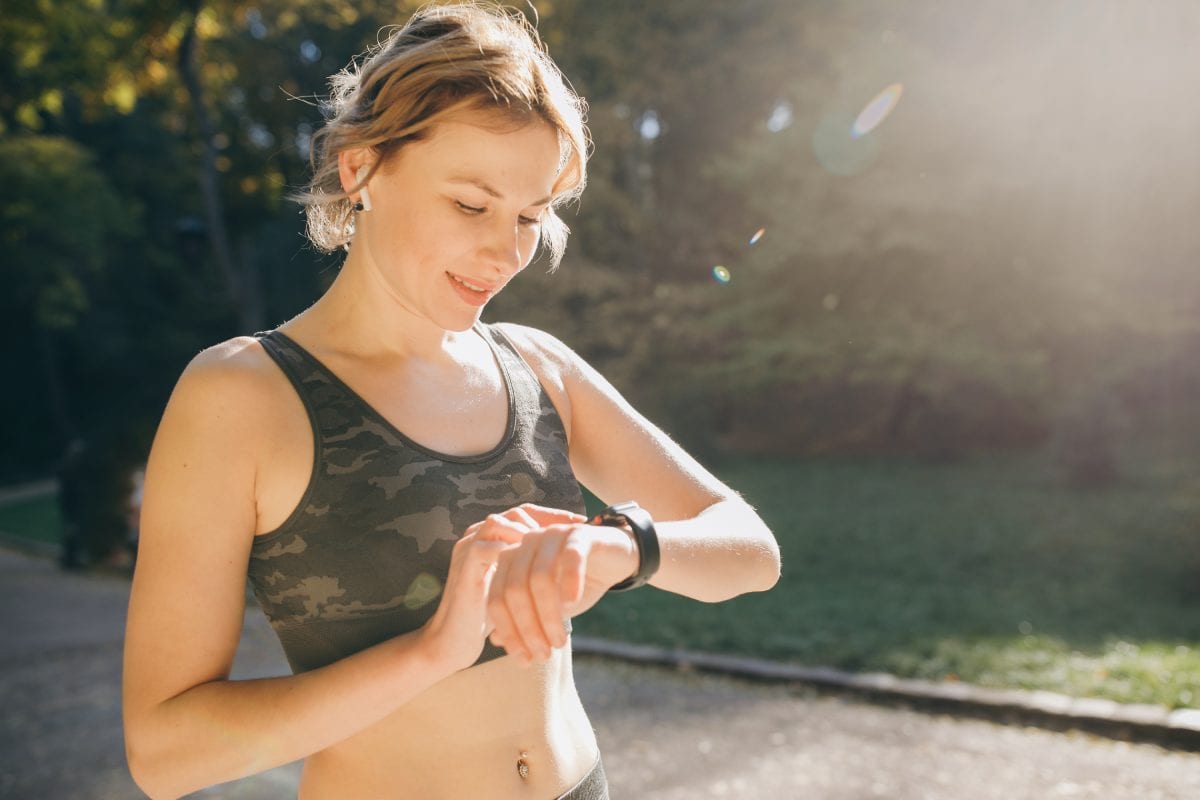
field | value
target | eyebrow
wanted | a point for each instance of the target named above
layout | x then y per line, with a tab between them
485	187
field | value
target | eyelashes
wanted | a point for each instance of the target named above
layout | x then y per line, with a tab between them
474	211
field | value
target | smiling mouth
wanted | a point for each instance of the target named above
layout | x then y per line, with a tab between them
474	287
471	293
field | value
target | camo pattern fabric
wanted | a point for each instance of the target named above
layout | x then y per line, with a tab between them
364	556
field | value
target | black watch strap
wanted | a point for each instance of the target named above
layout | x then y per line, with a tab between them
639	521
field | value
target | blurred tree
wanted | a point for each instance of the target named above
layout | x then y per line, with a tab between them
50	181
1012	240
953	279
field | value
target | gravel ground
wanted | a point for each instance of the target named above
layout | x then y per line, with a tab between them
665	735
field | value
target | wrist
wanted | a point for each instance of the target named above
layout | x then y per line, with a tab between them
629	551
640	527
436	654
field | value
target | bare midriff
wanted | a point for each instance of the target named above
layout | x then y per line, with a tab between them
464	737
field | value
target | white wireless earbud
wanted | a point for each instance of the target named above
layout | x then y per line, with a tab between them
363	197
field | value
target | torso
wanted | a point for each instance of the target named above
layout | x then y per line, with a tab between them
462	737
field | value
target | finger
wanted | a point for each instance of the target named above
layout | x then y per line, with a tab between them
571	563
497	616
549	516
473	561
521	517
544	589
572	572
520	603
498	528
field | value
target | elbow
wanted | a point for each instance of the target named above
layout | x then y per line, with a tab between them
145	767
772	567
763	569
759	572
762	559
140	769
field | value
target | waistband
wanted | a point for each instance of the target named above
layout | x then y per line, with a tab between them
593	786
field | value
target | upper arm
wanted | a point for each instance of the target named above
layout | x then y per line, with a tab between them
615	451
197	525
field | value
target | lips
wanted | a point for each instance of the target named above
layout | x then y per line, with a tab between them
472	292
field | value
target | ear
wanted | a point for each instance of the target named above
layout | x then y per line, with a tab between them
353	166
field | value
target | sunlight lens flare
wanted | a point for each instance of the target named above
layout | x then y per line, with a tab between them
839	153
876	111
758	234
781	117
721	275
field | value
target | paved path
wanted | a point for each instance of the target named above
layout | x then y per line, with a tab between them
665	736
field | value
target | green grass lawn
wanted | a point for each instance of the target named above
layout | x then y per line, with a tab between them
990	572
35	518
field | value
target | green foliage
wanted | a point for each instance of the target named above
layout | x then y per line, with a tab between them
991	571
1010	244
58	217
954	280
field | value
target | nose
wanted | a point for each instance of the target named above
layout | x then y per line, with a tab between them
504	250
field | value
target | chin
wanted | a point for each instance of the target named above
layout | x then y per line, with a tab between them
460	323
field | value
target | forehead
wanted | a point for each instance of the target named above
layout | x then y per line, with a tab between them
520	158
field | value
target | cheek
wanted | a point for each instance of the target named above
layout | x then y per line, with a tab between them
422	232
529	243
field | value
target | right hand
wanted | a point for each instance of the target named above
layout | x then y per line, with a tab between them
456	632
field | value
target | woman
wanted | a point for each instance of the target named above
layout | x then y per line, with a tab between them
399	480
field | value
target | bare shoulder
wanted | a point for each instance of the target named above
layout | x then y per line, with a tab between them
225	405
557	363
235	365
199	495
615	450
553	360
234	379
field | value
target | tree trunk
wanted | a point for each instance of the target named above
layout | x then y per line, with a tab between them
241	293
63	423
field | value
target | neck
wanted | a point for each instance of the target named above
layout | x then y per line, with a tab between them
360	314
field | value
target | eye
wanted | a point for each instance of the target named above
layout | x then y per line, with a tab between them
529	220
466	209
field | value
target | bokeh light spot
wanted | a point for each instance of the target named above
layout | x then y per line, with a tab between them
309	52
838	152
876	111
423	589
781	117
649	128
721	274
758	234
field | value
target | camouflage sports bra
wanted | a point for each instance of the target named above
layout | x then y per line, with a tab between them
365	553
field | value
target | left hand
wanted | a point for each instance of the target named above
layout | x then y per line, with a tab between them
560	569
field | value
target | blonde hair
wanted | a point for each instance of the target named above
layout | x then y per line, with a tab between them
447	58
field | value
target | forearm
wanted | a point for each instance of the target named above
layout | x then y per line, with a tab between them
723	552
223	730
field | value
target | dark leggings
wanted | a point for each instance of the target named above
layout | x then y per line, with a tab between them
593	786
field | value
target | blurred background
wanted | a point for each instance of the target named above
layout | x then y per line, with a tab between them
918	279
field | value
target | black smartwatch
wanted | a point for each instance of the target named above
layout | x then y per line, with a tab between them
637	519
